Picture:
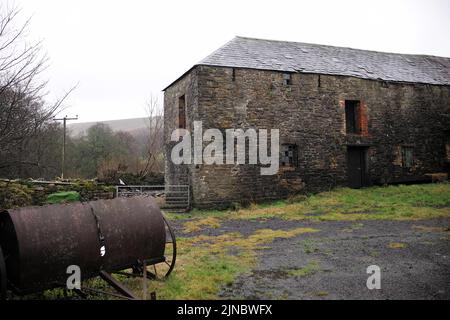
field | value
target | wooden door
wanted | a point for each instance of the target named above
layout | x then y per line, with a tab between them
357	167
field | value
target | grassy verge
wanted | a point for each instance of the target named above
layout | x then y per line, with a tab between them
392	202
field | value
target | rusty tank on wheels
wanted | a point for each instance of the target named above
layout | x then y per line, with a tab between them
38	244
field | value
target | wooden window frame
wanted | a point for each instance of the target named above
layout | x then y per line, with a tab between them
407	160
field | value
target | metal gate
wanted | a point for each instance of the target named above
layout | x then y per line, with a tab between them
172	198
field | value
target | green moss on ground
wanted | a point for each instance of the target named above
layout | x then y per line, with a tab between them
63	197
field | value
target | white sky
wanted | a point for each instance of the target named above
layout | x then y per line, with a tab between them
121	52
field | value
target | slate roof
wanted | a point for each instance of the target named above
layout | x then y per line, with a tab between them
285	56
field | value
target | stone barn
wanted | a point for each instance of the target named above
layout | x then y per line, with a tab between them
346	117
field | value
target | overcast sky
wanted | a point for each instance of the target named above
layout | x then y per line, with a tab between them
122	52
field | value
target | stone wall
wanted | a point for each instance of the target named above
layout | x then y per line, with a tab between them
187	86
310	113
14	194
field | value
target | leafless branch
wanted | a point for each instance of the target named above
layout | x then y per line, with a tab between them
154	139
23	107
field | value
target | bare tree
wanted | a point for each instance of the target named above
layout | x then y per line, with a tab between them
23	109
154	139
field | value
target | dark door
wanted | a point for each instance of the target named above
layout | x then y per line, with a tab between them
357	167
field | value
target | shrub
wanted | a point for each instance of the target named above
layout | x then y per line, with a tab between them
14	195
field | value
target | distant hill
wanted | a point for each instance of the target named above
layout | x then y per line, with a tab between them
133	126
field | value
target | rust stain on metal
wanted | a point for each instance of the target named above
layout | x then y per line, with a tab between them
39	243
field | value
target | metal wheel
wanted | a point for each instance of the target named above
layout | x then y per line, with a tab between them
162	270
171	247
2	276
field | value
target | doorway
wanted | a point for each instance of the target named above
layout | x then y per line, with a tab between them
357	169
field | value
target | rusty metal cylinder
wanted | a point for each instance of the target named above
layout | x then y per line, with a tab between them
39	243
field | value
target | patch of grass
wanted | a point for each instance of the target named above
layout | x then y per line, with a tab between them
199	276
197	225
353	227
322	294
429	229
403	202
311	268
374	254
268	235
397	245
63	294
357	226
296	198
309	246
204	264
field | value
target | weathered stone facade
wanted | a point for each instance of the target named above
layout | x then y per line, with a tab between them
310	113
